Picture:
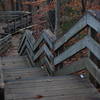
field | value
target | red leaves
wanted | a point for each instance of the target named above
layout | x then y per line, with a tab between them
38	97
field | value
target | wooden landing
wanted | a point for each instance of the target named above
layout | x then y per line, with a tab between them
26	83
13	50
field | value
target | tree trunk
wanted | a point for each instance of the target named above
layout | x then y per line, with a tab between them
2	5
57	17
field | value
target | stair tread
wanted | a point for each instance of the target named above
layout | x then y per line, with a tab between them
53	92
24	82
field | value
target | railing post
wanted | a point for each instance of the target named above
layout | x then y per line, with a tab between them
14	25
1	83
93	34
8	28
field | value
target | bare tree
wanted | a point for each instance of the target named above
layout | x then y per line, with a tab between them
2	4
84	4
57	17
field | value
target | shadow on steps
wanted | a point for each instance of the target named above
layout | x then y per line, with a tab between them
1	94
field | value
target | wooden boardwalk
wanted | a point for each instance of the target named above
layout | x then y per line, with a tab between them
22	82
27	77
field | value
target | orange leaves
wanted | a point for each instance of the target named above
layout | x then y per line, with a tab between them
40	14
38	97
35	3
95	7
48	7
76	4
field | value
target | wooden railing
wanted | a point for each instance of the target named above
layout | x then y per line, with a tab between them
5	42
50	53
35	49
1	83
1	79
8	15
18	23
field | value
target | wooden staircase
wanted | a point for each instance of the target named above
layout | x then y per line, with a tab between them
34	71
23	82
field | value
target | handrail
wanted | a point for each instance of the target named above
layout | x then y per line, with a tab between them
30	48
87	42
87	19
46	48
1	79
18	22
13	12
82	23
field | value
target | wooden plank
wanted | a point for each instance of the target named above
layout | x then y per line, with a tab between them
60	85
37	43
1	78
39	52
22	42
43	49
50	66
5	47
30	58
5	38
14	12
93	46
51	93
86	42
30	49
72	68
22	49
93	69
93	22
44	85
69	52
73	31
44	79
47	40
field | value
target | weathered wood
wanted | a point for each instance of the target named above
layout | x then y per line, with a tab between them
44	37
74	67
31	56
18	23
93	46
87	19
43	49
21	42
1	79
22	48
5	42
70	52
46	49
30	84
94	70
50	66
87	42
93	22
73	31
13	12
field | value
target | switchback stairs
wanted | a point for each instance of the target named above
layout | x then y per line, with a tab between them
39	69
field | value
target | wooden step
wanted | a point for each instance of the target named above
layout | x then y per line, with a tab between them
42	86
23	74
24	82
44	79
13	62
63	97
51	93
36	83
49	87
